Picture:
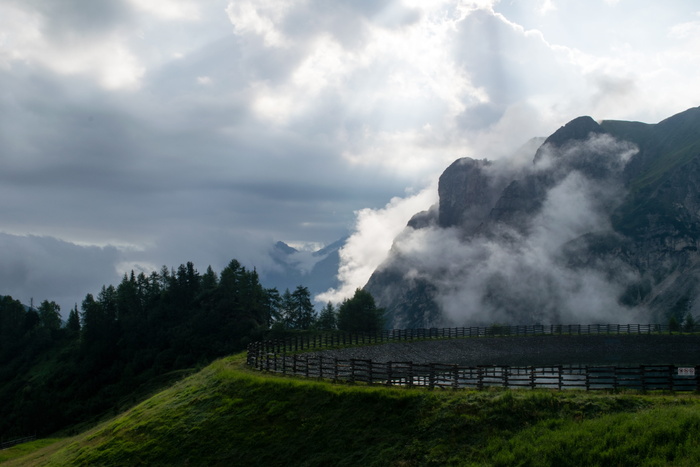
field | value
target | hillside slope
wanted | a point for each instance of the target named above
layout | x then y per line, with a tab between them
228	415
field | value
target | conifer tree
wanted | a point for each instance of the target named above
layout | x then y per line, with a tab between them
50	315
327	319
360	314
304	309
73	322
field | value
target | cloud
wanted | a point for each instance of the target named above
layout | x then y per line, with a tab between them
45	268
522	276
371	240
174	10
71	39
259	18
139	124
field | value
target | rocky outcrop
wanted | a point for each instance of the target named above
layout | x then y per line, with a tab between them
611	208
465	192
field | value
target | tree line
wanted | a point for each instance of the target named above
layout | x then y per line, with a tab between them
55	374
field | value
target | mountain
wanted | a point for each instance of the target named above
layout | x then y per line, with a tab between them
601	226
317	270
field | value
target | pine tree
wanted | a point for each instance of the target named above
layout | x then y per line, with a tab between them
289	317
273	307
73	323
327	320
210	279
297	309
304	309
360	314
50	315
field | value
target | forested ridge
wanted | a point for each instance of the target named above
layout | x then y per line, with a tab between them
142	333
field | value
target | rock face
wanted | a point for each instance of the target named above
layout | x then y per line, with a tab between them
465	193
603	226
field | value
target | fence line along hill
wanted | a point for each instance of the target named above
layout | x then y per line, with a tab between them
612	356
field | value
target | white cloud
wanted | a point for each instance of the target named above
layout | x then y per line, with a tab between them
261	18
369	245
181	10
104	57
513	277
546	6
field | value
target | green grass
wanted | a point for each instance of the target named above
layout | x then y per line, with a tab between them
658	436
22	450
229	415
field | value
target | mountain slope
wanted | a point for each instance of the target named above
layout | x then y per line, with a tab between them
603	226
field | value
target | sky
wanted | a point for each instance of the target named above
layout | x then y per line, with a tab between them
142	133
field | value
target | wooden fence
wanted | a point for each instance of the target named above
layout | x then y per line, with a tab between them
452	376
309	342
292	356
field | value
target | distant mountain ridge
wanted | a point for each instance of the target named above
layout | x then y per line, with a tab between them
603	226
316	270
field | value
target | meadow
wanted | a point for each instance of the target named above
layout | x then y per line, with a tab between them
228	414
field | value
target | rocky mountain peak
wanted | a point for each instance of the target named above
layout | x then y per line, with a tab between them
603	227
578	129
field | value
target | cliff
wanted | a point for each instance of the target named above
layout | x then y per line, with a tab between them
603	226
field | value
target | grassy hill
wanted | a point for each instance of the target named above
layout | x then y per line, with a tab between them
229	415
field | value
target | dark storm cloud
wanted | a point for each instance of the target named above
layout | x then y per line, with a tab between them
45	268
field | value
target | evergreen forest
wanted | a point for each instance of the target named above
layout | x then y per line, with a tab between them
127	341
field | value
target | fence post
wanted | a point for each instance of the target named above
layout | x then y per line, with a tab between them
671	371
560	379
588	379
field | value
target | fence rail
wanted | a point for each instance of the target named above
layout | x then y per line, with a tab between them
441	375
338	339
287	356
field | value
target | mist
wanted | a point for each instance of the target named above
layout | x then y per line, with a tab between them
371	239
487	271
